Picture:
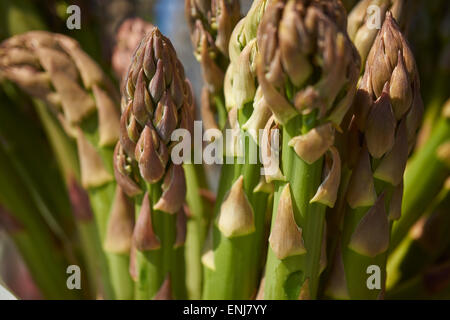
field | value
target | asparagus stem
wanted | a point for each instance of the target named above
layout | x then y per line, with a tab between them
153	266
284	278
46	265
334	227
148	263
238	260
356	265
26	148
114	265
63	147
197	227
221	110
95	259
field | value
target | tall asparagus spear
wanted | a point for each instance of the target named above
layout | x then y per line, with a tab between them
157	100
387	114
211	24
307	70
54	69
235	249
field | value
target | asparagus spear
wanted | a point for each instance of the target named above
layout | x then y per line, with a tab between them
387	114
54	69
157	100
308	71
211	24
234	252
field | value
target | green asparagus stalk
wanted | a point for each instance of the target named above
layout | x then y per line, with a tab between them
54	69
200	202
234	252
308	72
387	113
157	101
65	153
211	24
